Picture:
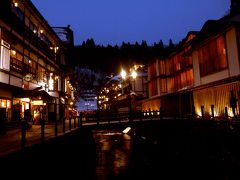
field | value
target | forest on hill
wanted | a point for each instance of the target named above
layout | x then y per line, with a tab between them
110	59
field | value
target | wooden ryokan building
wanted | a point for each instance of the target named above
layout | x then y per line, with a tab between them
31	58
203	71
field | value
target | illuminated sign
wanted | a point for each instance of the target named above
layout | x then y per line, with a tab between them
26	86
25	100
27	77
37	102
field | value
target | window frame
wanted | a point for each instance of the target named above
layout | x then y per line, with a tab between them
5	45
209	65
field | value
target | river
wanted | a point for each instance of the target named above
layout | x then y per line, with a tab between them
186	151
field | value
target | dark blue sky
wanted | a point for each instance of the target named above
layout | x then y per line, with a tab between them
114	21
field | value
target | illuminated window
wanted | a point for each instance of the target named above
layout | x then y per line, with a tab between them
17	11
162	67
59	84
212	57
153	88
176	61
16	61
5	56
26	106
8	104
41	74
33	27
51	82
152	70
163	85
183	79
4	103
190	77
65	85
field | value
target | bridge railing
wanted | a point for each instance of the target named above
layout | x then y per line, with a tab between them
110	117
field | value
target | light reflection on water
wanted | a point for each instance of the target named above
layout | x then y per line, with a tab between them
113	153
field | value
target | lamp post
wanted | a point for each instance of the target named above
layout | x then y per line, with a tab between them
125	78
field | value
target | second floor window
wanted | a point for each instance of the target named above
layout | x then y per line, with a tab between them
18	12
212	57
162	67
42	74
51	85
16	61
5	56
33	27
153	89
152	70
163	85
30	66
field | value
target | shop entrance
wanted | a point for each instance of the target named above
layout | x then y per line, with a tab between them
38	110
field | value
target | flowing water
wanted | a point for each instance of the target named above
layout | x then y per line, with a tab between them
183	151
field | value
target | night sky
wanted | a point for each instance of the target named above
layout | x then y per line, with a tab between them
115	21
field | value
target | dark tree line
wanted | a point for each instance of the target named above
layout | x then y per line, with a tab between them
110	59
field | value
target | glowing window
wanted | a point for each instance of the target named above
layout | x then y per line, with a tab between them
4	103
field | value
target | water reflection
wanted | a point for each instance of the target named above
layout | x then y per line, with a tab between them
113	153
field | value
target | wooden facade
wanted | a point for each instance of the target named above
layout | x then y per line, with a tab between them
31	54
204	71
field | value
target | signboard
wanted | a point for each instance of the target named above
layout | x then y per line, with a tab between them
37	102
28	77
26	86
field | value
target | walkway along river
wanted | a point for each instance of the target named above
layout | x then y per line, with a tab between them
156	150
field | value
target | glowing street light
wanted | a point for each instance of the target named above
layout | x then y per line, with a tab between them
124	77
134	75
123	74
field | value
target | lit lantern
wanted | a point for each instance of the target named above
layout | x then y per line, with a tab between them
51	82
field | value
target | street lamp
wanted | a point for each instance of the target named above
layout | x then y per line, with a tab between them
124	77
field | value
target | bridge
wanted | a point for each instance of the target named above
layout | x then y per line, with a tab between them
17	139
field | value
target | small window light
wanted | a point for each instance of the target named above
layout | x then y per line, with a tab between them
41	31
16	4
29	61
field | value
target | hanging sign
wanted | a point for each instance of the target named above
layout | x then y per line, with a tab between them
28	77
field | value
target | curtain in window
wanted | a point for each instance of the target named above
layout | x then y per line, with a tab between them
153	88
5	58
163	83
212	57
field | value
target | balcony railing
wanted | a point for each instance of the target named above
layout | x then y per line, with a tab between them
16	65
20	27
